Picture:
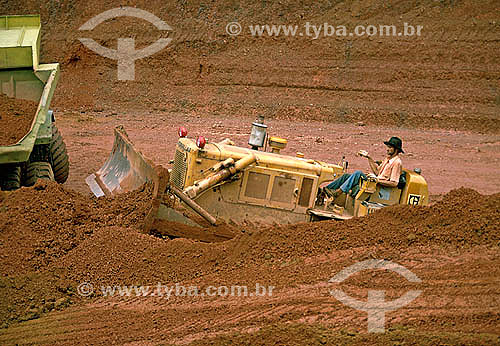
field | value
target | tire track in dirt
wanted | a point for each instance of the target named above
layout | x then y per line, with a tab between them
450	298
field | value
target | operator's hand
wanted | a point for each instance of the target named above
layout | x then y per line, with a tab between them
372	177
363	153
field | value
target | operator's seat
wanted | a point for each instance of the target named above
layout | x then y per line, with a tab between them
402	181
389	195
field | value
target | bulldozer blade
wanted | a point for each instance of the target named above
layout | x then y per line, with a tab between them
125	170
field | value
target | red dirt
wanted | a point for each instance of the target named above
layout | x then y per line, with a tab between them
329	97
66	238
16	116
55	220
447	78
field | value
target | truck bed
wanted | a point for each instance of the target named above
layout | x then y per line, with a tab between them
31	86
25	81
19	41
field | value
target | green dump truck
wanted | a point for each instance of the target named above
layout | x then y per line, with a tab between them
40	153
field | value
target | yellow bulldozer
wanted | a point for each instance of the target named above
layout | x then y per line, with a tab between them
214	184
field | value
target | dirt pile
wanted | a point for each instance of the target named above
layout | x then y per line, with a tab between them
53	239
16	116
60	218
48	222
40	224
43	223
462	218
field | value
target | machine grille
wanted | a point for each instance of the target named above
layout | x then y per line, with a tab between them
178	175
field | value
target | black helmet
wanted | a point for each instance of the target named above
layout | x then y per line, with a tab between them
395	142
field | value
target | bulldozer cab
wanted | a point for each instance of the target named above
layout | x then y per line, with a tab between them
412	189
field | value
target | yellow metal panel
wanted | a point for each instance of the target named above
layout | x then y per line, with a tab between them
25	84
19	41
8	22
386	195
416	190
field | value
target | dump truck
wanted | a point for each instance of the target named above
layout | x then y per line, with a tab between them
41	152
220	183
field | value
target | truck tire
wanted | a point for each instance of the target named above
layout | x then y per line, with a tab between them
37	170
58	156
11	179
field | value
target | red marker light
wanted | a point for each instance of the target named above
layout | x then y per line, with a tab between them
200	142
183	132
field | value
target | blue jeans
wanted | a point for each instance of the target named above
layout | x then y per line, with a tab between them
347	182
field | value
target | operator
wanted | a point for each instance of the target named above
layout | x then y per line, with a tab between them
387	173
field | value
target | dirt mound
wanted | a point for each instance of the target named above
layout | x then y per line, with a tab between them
16	116
39	224
462	218
126	210
47	221
113	255
133	257
54	239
